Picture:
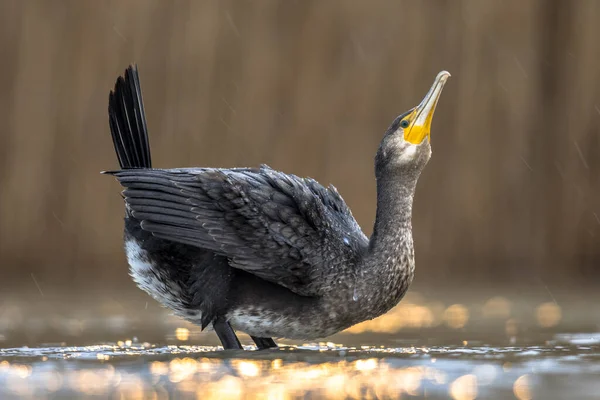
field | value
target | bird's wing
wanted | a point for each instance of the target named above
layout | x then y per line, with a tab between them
279	227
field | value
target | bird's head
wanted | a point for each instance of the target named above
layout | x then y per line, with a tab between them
405	149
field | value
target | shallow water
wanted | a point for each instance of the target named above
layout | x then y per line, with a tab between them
456	345
566	366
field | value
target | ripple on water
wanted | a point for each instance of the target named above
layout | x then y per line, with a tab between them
325	370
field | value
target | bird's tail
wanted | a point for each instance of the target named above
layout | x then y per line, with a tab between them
128	121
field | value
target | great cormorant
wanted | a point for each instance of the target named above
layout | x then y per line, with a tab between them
264	252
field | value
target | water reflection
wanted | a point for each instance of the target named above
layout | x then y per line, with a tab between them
29	322
444	347
521	388
139	370
131	370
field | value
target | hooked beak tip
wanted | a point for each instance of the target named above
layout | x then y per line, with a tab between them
421	124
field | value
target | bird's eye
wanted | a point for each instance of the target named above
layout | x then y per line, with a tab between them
404	123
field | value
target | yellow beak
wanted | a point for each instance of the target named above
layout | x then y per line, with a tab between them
420	118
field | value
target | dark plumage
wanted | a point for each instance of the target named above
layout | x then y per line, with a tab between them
269	253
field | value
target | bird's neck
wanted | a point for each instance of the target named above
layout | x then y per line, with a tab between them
390	260
394	213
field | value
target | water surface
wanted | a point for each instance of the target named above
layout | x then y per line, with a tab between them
567	366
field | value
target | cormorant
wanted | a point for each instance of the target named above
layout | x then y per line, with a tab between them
260	251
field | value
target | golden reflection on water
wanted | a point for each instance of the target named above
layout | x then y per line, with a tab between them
194	374
206	378
415	312
456	316
511	327
215	378
548	314
464	388
521	388
497	307
136	372
182	334
411	313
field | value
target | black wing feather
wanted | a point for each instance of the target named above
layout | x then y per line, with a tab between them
280	227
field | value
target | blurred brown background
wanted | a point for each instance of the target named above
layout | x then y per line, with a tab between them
511	195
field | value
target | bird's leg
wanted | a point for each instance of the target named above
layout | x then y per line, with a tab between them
264	343
226	334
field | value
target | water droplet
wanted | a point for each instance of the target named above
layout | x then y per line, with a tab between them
346	241
355	295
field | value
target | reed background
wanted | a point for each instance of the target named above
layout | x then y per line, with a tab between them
511	195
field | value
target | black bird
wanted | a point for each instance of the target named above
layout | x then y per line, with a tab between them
260	251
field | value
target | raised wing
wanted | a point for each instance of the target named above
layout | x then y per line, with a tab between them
279	227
